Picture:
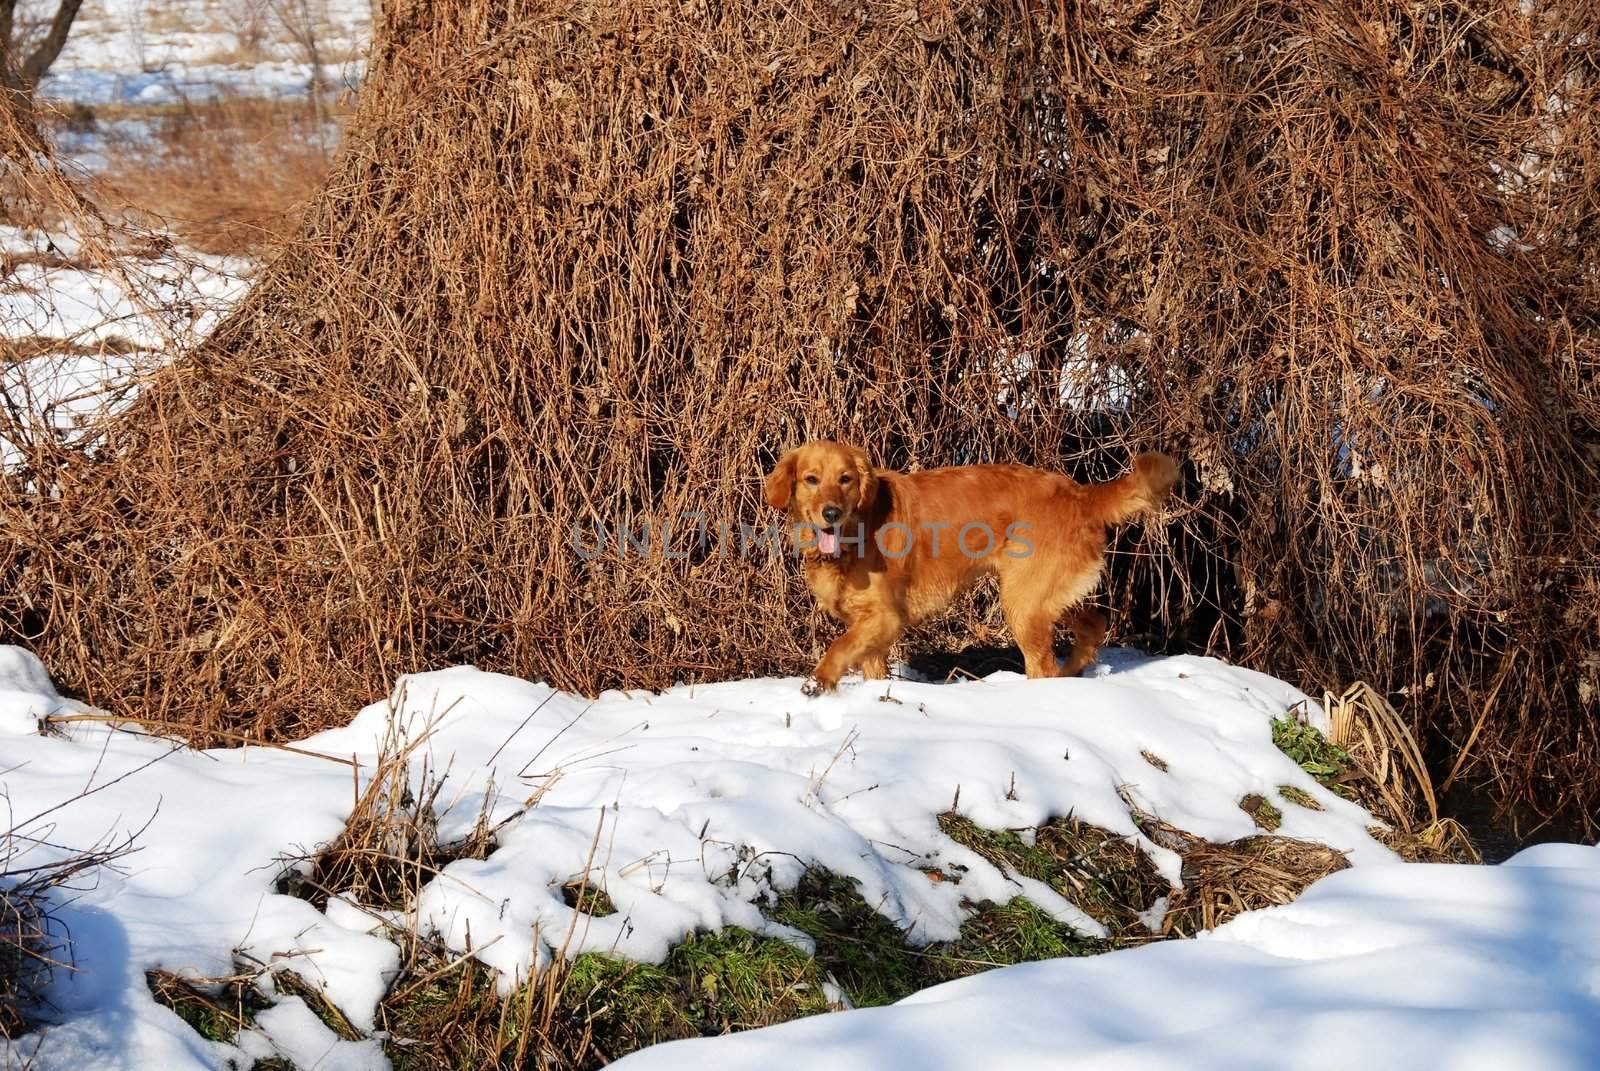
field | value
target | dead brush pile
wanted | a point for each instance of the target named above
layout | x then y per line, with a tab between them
593	263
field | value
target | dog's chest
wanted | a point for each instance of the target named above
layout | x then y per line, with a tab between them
831	587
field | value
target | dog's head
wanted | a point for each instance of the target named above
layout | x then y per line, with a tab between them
825	484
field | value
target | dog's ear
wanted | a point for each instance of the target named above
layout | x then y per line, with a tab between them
866	476
780	483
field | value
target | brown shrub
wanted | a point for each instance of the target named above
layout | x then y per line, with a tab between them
596	262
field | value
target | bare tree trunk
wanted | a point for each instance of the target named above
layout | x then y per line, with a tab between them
16	96
8	18
34	67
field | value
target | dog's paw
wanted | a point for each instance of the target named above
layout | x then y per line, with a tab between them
812	688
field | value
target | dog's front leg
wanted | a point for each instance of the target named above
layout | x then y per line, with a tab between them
867	640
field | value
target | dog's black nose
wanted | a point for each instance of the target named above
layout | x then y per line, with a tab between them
831	514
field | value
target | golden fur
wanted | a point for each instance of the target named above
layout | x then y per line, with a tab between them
888	549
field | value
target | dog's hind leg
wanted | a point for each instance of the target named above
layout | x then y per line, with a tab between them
1088	633
1034	592
1032	620
1035	634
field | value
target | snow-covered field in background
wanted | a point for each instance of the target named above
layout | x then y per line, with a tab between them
137	52
145	303
114	325
1424	967
686	807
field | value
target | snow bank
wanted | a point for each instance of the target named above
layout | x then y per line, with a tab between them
705	799
685	806
1424	966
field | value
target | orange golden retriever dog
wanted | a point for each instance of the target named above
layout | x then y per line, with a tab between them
884	550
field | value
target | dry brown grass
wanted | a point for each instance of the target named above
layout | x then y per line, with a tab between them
1103	873
1221	881
25	958
217	1008
231	175
442	1009
1392	779
389	847
1377	739
1224	880
599	262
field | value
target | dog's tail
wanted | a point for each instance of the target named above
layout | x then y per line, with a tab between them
1137	493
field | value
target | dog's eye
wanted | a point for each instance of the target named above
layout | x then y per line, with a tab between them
844	480
812	481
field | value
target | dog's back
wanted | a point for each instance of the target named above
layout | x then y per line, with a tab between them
944	527
996	496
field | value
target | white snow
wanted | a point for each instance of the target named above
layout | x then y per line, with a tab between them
129	60
145	302
99	329
1413	966
688	807
297	1034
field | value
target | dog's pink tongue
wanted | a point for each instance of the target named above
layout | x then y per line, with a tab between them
827	542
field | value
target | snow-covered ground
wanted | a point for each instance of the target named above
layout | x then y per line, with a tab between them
127	60
89	333
686	807
1424	967
141	303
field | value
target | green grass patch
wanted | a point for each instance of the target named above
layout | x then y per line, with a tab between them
999	935
1005	848
1299	797
710	984
216	1011
597	1008
864	952
869	958
1103	873
447	1015
1311	751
